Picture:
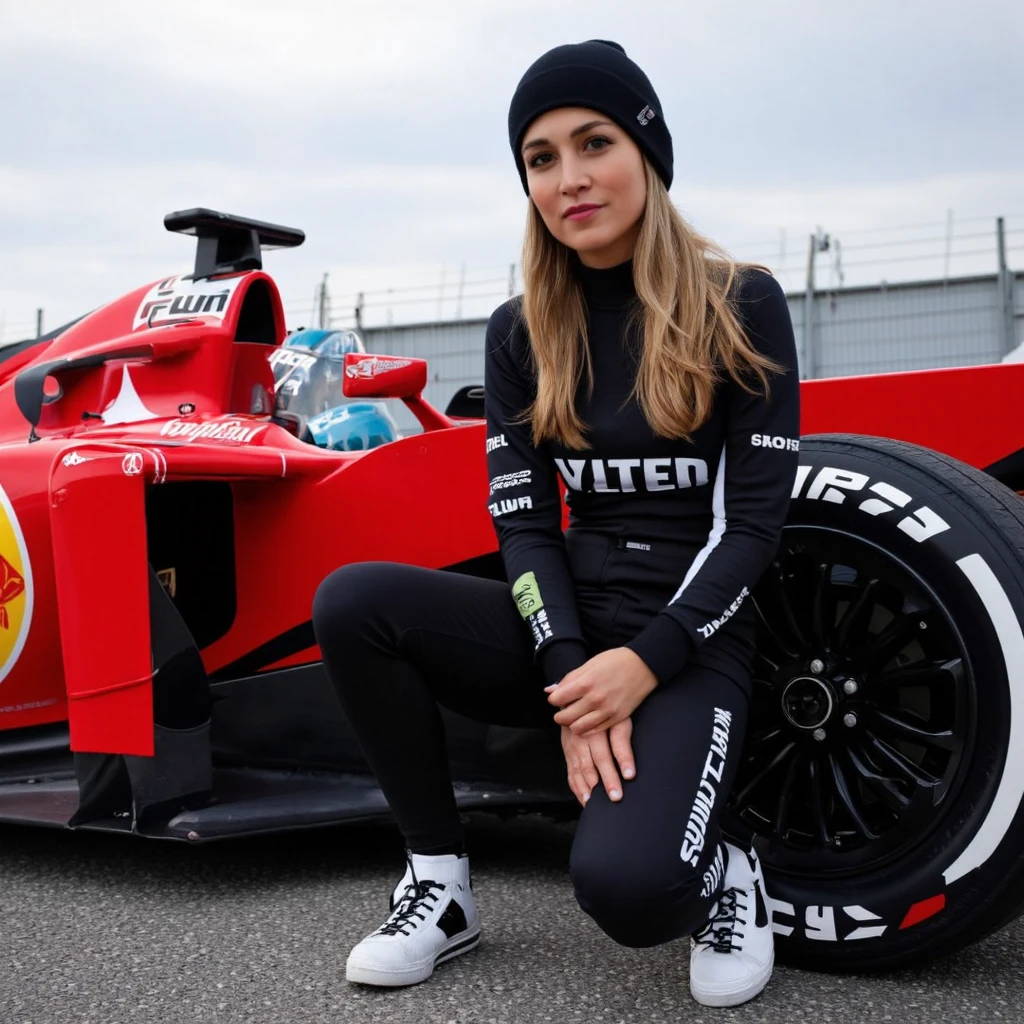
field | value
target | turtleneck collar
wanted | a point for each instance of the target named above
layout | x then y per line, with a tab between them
611	288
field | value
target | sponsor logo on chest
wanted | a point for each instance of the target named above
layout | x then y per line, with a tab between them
624	476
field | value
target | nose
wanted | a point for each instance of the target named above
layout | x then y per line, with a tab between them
574	176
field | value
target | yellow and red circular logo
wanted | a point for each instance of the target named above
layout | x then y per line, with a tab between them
16	591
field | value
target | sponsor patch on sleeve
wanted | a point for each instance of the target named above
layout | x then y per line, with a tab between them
784	444
526	594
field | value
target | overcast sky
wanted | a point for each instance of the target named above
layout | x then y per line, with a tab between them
379	127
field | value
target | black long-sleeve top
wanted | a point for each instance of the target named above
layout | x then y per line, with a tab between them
726	493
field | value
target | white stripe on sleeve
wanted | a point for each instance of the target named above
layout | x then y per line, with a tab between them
717	527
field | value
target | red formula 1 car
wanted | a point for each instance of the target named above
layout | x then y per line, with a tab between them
163	527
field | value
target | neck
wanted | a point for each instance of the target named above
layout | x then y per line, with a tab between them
606	287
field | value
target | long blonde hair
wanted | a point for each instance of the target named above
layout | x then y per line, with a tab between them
691	333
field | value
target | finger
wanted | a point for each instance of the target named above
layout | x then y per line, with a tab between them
620	738
605	764
596	721
568	690
588	770
566	678
578	787
571	712
581	786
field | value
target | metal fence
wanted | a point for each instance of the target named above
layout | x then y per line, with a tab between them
881	329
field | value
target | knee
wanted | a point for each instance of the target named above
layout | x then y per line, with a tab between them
634	903
346	600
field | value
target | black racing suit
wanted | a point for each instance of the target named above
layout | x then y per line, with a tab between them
665	541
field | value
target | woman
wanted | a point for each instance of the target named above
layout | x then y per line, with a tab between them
659	381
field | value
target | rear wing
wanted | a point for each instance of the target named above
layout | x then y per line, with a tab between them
227	243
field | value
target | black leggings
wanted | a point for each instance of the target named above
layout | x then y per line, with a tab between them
398	640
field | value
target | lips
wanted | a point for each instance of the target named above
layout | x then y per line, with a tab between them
582	208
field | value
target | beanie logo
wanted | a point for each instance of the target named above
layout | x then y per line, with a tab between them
646	115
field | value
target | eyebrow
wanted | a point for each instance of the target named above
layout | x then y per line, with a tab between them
572	135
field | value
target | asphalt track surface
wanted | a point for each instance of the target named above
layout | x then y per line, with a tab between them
98	929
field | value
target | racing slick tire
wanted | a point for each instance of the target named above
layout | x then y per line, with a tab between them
883	772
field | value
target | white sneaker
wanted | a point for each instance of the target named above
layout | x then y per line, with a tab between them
433	918
731	957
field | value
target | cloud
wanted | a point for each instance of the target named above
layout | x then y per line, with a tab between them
380	129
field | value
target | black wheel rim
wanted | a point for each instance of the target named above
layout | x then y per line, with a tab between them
862	716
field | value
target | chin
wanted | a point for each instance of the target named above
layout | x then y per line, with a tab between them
597	242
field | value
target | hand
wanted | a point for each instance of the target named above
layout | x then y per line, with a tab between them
592	760
602	692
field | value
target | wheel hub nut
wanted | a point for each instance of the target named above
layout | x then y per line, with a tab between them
807	702
819	734
850	686
817	666
849	719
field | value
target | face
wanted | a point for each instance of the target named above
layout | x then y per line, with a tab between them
586	178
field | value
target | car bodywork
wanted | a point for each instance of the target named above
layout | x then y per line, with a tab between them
143	443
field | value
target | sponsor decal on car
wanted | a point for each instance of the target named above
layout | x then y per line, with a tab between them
177	298
74	459
625	476
374	366
234	430
840	485
16	589
291	357
186	409
29	705
131	464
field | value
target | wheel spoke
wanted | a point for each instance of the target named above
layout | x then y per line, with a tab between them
846	798
884	787
899	763
853	625
770	642
763	773
801	585
823	608
759	739
940	671
764	667
818	811
775	598
908	729
884	646
785	802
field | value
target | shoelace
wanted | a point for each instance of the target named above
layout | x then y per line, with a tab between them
719	932
409	906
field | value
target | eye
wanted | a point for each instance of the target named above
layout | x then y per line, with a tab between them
600	139
534	160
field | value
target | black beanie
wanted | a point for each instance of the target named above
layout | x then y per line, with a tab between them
595	74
